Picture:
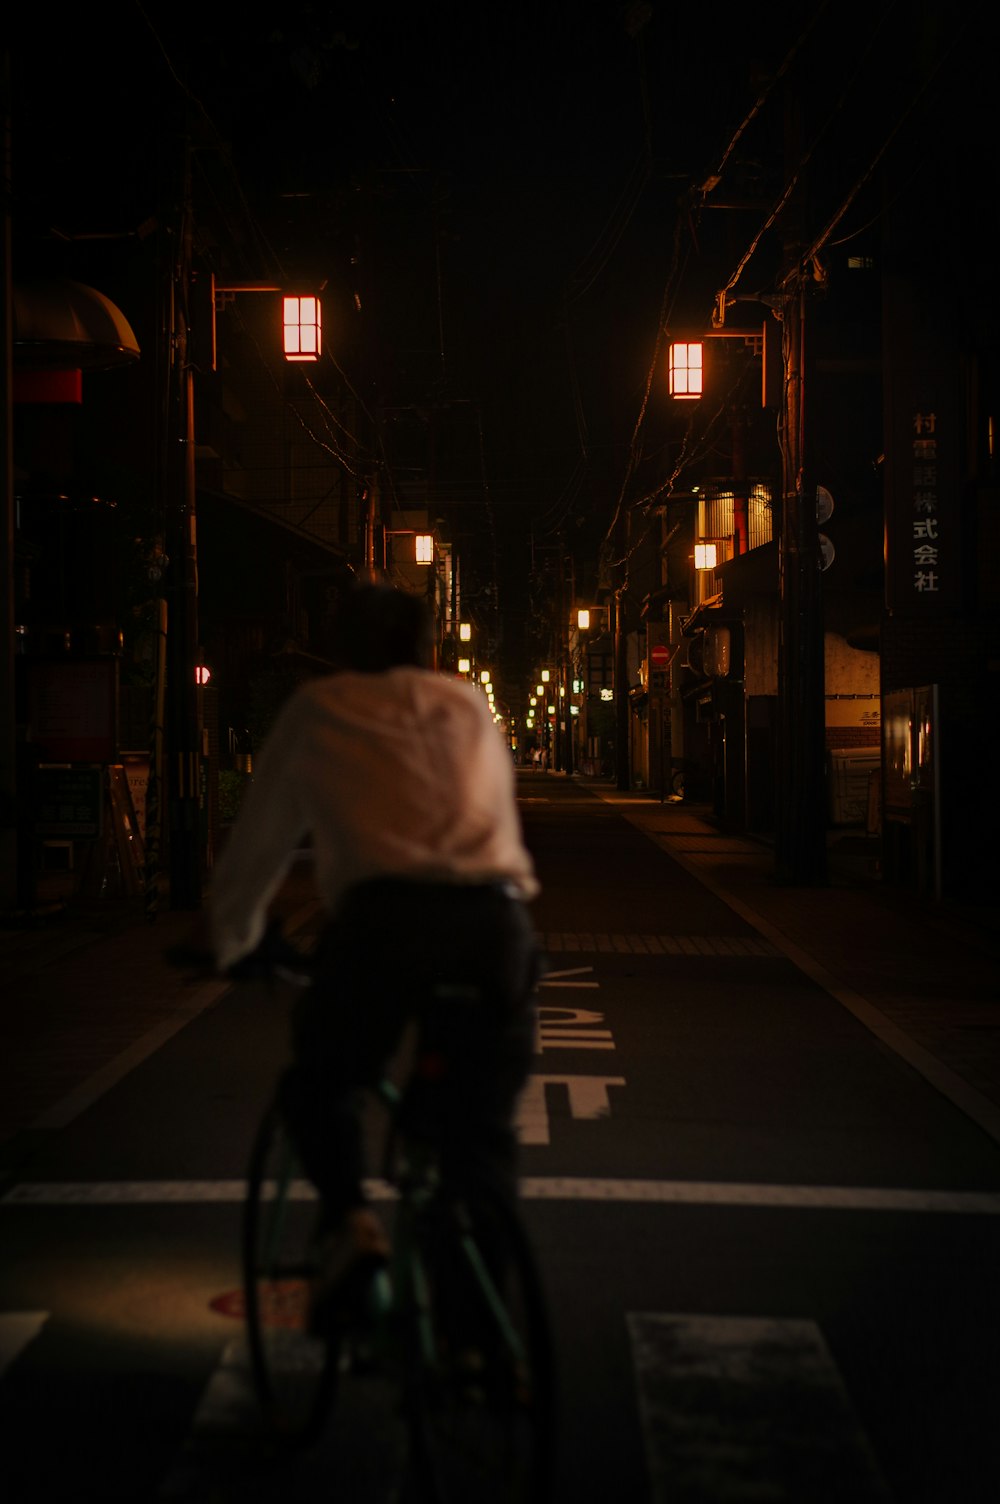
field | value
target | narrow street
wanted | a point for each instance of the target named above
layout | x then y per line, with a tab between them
769	1242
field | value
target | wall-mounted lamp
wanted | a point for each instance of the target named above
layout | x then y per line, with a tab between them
423	544
686	362
465	631
302	323
301	318
686	370
583	619
464	665
545	676
706	555
484	676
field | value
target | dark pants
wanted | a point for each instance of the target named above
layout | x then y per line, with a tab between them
462	961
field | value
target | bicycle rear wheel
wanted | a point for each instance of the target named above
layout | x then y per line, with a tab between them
292	1370
482	1401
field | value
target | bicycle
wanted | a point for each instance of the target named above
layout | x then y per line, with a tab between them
450	1338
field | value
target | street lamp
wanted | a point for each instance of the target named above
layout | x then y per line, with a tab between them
423	544
301	317
686	362
686	370
302	320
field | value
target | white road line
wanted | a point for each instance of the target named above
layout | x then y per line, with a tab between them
17	1329
750	1195
776	1197
741	1407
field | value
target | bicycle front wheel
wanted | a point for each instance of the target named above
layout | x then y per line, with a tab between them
482	1402
292	1369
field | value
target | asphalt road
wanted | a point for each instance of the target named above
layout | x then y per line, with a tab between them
769	1245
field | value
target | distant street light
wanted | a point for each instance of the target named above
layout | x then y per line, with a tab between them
423	544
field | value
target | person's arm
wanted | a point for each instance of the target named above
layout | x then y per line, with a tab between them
269	828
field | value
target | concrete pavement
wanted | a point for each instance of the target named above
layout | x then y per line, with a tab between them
923	976
87	993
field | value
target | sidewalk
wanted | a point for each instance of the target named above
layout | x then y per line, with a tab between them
87	993
923	976
86	996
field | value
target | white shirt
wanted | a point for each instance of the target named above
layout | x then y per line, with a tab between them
400	773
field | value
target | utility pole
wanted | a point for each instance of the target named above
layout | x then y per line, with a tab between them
623	769
9	891
559	757
183	737
800	835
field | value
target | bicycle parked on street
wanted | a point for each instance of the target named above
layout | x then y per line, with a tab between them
442	1360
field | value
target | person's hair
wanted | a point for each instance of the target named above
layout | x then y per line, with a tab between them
376	627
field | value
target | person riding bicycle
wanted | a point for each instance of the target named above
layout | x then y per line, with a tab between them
400	781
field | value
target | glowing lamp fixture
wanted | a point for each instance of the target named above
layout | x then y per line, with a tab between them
545	676
583	619
484	676
302	322
464	665
424	544
706	555
686	371
465	631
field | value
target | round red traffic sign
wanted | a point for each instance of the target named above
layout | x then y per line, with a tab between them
659	656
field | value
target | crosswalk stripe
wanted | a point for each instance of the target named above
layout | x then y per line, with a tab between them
742	1407
540	1188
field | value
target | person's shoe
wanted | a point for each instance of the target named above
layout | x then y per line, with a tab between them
347	1258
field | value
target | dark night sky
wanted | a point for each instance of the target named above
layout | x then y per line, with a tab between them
500	183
